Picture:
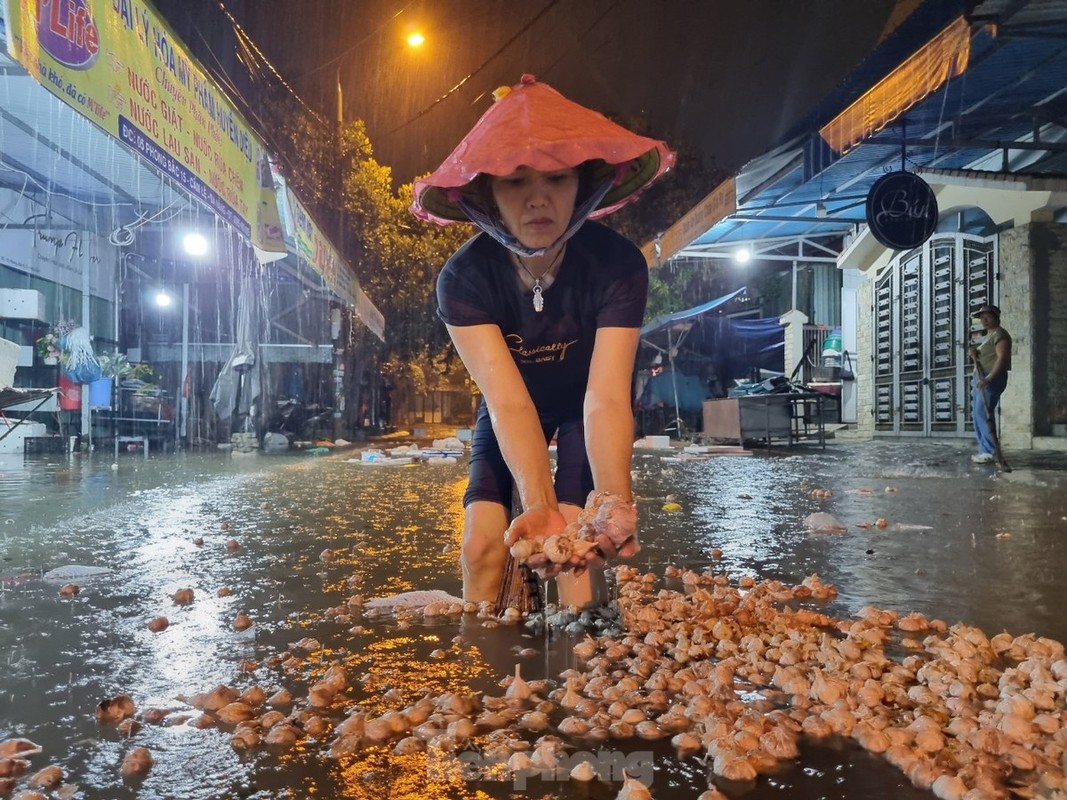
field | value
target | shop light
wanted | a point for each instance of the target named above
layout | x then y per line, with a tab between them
742	255
195	244
163	300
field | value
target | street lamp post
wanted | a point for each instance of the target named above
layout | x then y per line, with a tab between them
414	40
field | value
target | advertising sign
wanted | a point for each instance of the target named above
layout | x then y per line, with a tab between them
901	210
715	207
313	246
118	64
369	314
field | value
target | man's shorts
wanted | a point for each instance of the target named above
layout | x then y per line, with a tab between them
490	478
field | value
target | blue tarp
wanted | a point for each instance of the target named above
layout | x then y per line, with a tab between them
663	320
659	392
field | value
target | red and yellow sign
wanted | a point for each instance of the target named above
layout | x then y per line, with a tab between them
118	64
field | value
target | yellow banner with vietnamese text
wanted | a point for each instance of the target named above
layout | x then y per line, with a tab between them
117	63
313	246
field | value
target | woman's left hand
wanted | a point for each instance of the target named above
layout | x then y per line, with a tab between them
615	524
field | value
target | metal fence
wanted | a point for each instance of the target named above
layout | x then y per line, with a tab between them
811	361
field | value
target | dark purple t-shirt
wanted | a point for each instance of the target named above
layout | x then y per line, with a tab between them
602	283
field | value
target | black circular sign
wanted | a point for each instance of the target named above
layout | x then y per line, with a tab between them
901	210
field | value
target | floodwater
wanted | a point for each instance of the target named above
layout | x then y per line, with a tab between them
962	543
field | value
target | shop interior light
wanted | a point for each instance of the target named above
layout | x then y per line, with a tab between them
195	244
742	255
163	299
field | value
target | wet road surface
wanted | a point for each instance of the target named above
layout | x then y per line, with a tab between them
961	542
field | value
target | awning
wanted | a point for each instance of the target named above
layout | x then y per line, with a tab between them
982	94
942	58
10	396
663	320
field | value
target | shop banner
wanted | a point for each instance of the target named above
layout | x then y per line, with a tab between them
117	63
62	257
369	314
313	246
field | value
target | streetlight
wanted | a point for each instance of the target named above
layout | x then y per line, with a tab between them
414	40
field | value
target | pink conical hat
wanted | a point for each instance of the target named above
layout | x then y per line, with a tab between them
533	125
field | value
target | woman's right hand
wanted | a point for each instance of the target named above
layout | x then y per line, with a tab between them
537	522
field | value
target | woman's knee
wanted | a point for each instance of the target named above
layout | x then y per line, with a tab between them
483	533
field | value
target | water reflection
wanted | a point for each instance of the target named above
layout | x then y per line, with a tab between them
943	553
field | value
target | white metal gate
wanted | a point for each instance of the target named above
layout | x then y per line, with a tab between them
924	301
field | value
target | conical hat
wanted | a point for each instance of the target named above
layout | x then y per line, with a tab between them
533	125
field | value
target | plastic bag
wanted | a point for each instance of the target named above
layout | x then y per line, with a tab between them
82	365
84	372
846	371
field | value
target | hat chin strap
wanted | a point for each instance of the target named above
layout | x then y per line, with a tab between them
495	228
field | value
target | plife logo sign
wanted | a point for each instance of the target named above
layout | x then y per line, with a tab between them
67	32
473	765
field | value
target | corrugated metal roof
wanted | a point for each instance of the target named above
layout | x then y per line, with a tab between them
1013	92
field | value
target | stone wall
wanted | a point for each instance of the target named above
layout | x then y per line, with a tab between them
1048	330
1033	304
1017	317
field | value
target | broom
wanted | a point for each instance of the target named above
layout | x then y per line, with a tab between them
520	588
991	419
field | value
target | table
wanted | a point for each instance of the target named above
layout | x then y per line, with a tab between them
142	440
134	418
792	416
832	393
11	397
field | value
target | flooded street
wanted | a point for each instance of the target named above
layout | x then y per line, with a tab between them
961	543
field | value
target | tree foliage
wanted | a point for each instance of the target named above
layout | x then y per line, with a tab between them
395	256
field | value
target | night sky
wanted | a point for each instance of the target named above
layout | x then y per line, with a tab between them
727	80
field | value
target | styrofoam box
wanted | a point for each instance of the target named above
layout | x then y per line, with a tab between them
21	304
9	358
15	442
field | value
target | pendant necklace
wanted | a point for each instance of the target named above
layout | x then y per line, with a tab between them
538	299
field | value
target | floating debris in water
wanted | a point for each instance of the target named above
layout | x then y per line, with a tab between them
74	572
419	599
821	522
137	762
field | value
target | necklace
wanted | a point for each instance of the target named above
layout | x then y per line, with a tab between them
538	299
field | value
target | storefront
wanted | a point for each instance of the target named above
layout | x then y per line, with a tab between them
139	206
972	114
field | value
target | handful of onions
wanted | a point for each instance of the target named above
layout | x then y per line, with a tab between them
603	528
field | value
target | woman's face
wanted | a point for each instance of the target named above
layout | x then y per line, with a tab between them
536	207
